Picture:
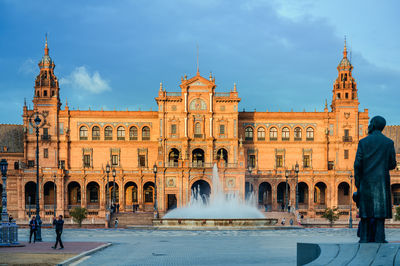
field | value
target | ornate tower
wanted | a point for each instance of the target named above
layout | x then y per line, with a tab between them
345	86
46	83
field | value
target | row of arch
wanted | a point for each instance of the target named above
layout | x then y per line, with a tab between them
198	156
74	193
273	133
108	133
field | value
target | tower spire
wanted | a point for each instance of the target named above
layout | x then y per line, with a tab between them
345	48
46	48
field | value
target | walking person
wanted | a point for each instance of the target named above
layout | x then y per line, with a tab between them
116	222
33	228
59	224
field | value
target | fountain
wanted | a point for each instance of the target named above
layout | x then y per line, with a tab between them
217	211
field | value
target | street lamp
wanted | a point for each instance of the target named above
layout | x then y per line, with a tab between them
296	170
155	190
37	123
351	202
107	187
55	200
3	168
286	192
114	173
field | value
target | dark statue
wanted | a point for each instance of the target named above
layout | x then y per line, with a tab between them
375	157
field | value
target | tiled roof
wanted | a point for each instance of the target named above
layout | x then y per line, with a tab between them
11	138
393	132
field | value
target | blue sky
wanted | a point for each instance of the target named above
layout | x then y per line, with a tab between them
282	54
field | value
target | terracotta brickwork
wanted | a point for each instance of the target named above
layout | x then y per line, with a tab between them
193	128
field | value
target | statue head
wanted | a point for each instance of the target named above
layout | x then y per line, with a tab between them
376	123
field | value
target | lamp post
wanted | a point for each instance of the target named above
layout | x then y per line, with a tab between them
39	122
155	190
29	205
351	202
286	192
114	173
296	170
4	214
55	200
107	186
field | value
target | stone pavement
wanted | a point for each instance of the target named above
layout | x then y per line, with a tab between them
152	247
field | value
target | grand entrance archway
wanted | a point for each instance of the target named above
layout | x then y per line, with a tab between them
202	188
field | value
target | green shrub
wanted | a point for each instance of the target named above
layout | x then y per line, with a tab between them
78	214
331	215
397	214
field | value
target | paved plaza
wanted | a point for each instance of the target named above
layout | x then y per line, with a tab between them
156	247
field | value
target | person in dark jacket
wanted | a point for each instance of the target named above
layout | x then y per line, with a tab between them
58	224
375	157
33	228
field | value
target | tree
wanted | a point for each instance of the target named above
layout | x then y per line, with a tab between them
397	214
331	215
79	214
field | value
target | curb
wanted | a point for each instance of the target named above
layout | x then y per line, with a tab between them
83	254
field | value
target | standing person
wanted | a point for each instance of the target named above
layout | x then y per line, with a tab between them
10	219
283	221
116	223
375	157
33	227
59	224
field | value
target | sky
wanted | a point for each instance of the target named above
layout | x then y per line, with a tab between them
281	54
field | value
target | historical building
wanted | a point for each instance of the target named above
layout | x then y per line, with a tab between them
193	129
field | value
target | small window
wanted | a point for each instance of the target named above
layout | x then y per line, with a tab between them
96	133
273	133
279	160
142	160
108	132
46	153
86	160
306	161
248	133
16	165
338	96
83	133
285	134
297	134
133	133
44	93
115	160
61	164
346	95
331	165
146	133
31	163
52	93
173	129
222	129
197	130
252	161
346	154
45	131
120	133
261	133
310	134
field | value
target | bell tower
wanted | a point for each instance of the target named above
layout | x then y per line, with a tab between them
46	83
345	86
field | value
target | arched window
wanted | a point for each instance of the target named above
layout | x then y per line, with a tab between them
273	133
145	133
297	133
121	133
310	133
83	133
133	133
248	133
285	133
108	133
197	130
95	133
261	133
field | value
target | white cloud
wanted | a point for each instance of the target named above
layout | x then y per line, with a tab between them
80	78
28	67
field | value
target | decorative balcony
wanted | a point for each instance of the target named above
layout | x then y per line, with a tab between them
45	137
347	139
198	136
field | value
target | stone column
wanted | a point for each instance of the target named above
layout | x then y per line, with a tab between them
274	196
122	196
83	194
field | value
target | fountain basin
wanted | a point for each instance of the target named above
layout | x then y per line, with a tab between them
215	224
